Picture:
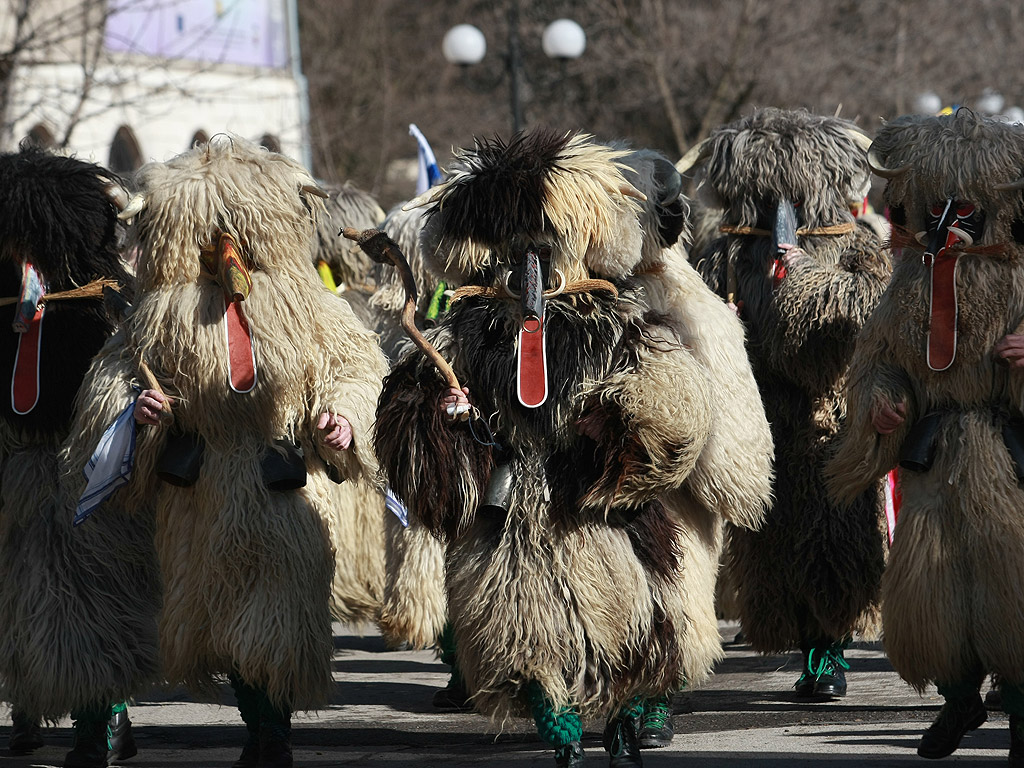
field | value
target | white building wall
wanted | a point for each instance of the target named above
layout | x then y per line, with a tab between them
163	106
164	101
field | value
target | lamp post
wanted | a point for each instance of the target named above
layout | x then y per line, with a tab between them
465	45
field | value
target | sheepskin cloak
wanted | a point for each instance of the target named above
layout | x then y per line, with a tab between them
579	586
812	572
77	605
247	572
733	477
952	603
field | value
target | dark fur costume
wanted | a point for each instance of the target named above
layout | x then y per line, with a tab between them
812	572
77	606
576	587
56	213
952	604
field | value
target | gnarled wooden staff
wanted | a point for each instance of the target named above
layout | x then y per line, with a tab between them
376	244
120	307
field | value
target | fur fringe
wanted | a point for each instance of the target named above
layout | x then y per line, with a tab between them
415	607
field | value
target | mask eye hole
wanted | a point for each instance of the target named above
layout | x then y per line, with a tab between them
964	210
544	252
937	209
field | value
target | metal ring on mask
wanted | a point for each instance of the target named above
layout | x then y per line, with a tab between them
548	294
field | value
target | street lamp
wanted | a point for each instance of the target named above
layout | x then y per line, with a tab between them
991	102
928	103
464	45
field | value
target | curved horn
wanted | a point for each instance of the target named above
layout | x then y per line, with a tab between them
669	180
693	156
628	190
879	169
117	194
313	189
134	207
861	139
1009	186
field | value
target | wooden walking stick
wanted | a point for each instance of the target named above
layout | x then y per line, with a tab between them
120	307
382	249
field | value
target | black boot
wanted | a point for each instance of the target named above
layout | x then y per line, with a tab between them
569	755
453	696
92	740
248	699
804	685
250	757
275	744
656	726
956	718
830	667
26	736
122	742
275	735
622	742
1016	741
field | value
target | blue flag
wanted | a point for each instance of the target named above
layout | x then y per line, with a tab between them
429	173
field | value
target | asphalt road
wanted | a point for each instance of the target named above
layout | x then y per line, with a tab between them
381	715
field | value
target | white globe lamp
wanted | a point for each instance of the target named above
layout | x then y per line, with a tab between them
563	39
464	44
928	103
991	102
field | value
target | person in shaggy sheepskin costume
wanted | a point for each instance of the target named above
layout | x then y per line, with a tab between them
266	391
803	278
77	604
564	566
733	476
343	267
937	387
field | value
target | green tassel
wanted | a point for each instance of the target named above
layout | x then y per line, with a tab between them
557	728
438	302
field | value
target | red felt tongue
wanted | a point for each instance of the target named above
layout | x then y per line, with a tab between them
942	322
241	360
25	381
532	373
